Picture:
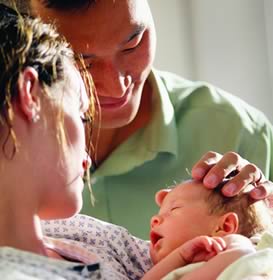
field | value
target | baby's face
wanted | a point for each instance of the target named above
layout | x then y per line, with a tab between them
183	215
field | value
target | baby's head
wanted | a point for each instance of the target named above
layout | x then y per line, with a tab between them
252	217
190	210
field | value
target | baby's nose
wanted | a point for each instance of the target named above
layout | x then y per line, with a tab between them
156	220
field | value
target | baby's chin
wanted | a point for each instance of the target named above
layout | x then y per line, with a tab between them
155	256
152	254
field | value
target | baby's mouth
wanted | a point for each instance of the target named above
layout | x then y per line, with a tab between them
155	237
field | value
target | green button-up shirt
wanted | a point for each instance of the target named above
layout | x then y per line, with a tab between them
189	119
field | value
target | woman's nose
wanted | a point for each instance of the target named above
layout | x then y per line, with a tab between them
156	220
87	162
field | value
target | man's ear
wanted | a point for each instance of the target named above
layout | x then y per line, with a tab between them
28	93
160	195
227	224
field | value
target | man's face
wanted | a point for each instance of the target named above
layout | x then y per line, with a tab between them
117	40
183	215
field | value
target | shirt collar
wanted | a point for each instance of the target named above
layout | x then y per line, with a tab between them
161	132
159	136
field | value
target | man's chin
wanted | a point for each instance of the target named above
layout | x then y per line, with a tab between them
112	125
113	122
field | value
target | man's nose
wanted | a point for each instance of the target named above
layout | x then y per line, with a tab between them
110	80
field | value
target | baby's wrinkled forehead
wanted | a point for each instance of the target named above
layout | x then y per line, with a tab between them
189	190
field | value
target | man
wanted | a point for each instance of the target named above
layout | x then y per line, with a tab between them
153	126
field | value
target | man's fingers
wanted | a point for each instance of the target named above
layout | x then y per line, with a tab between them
216	167
213	168
249	174
263	190
207	161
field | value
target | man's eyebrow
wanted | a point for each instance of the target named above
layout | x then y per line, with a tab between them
138	30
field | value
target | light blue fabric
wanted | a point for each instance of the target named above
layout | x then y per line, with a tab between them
120	256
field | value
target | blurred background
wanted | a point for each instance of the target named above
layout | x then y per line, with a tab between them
228	43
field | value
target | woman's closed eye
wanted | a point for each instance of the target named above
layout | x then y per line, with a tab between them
88	61
86	119
85	113
88	65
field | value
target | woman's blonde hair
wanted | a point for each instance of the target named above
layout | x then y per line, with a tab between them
27	42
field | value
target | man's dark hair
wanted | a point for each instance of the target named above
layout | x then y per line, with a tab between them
68	4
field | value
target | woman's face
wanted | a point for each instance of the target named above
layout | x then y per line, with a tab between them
64	168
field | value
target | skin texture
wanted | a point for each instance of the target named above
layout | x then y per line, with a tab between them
58	194
119	57
213	167
70	164
174	222
184	232
118	41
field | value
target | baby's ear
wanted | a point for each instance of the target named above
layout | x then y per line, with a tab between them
227	224
28	93
160	195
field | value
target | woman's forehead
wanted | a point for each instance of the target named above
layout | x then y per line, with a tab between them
73	81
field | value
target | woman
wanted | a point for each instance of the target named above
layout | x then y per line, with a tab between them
44	107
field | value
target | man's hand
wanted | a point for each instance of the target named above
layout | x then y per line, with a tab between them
212	168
